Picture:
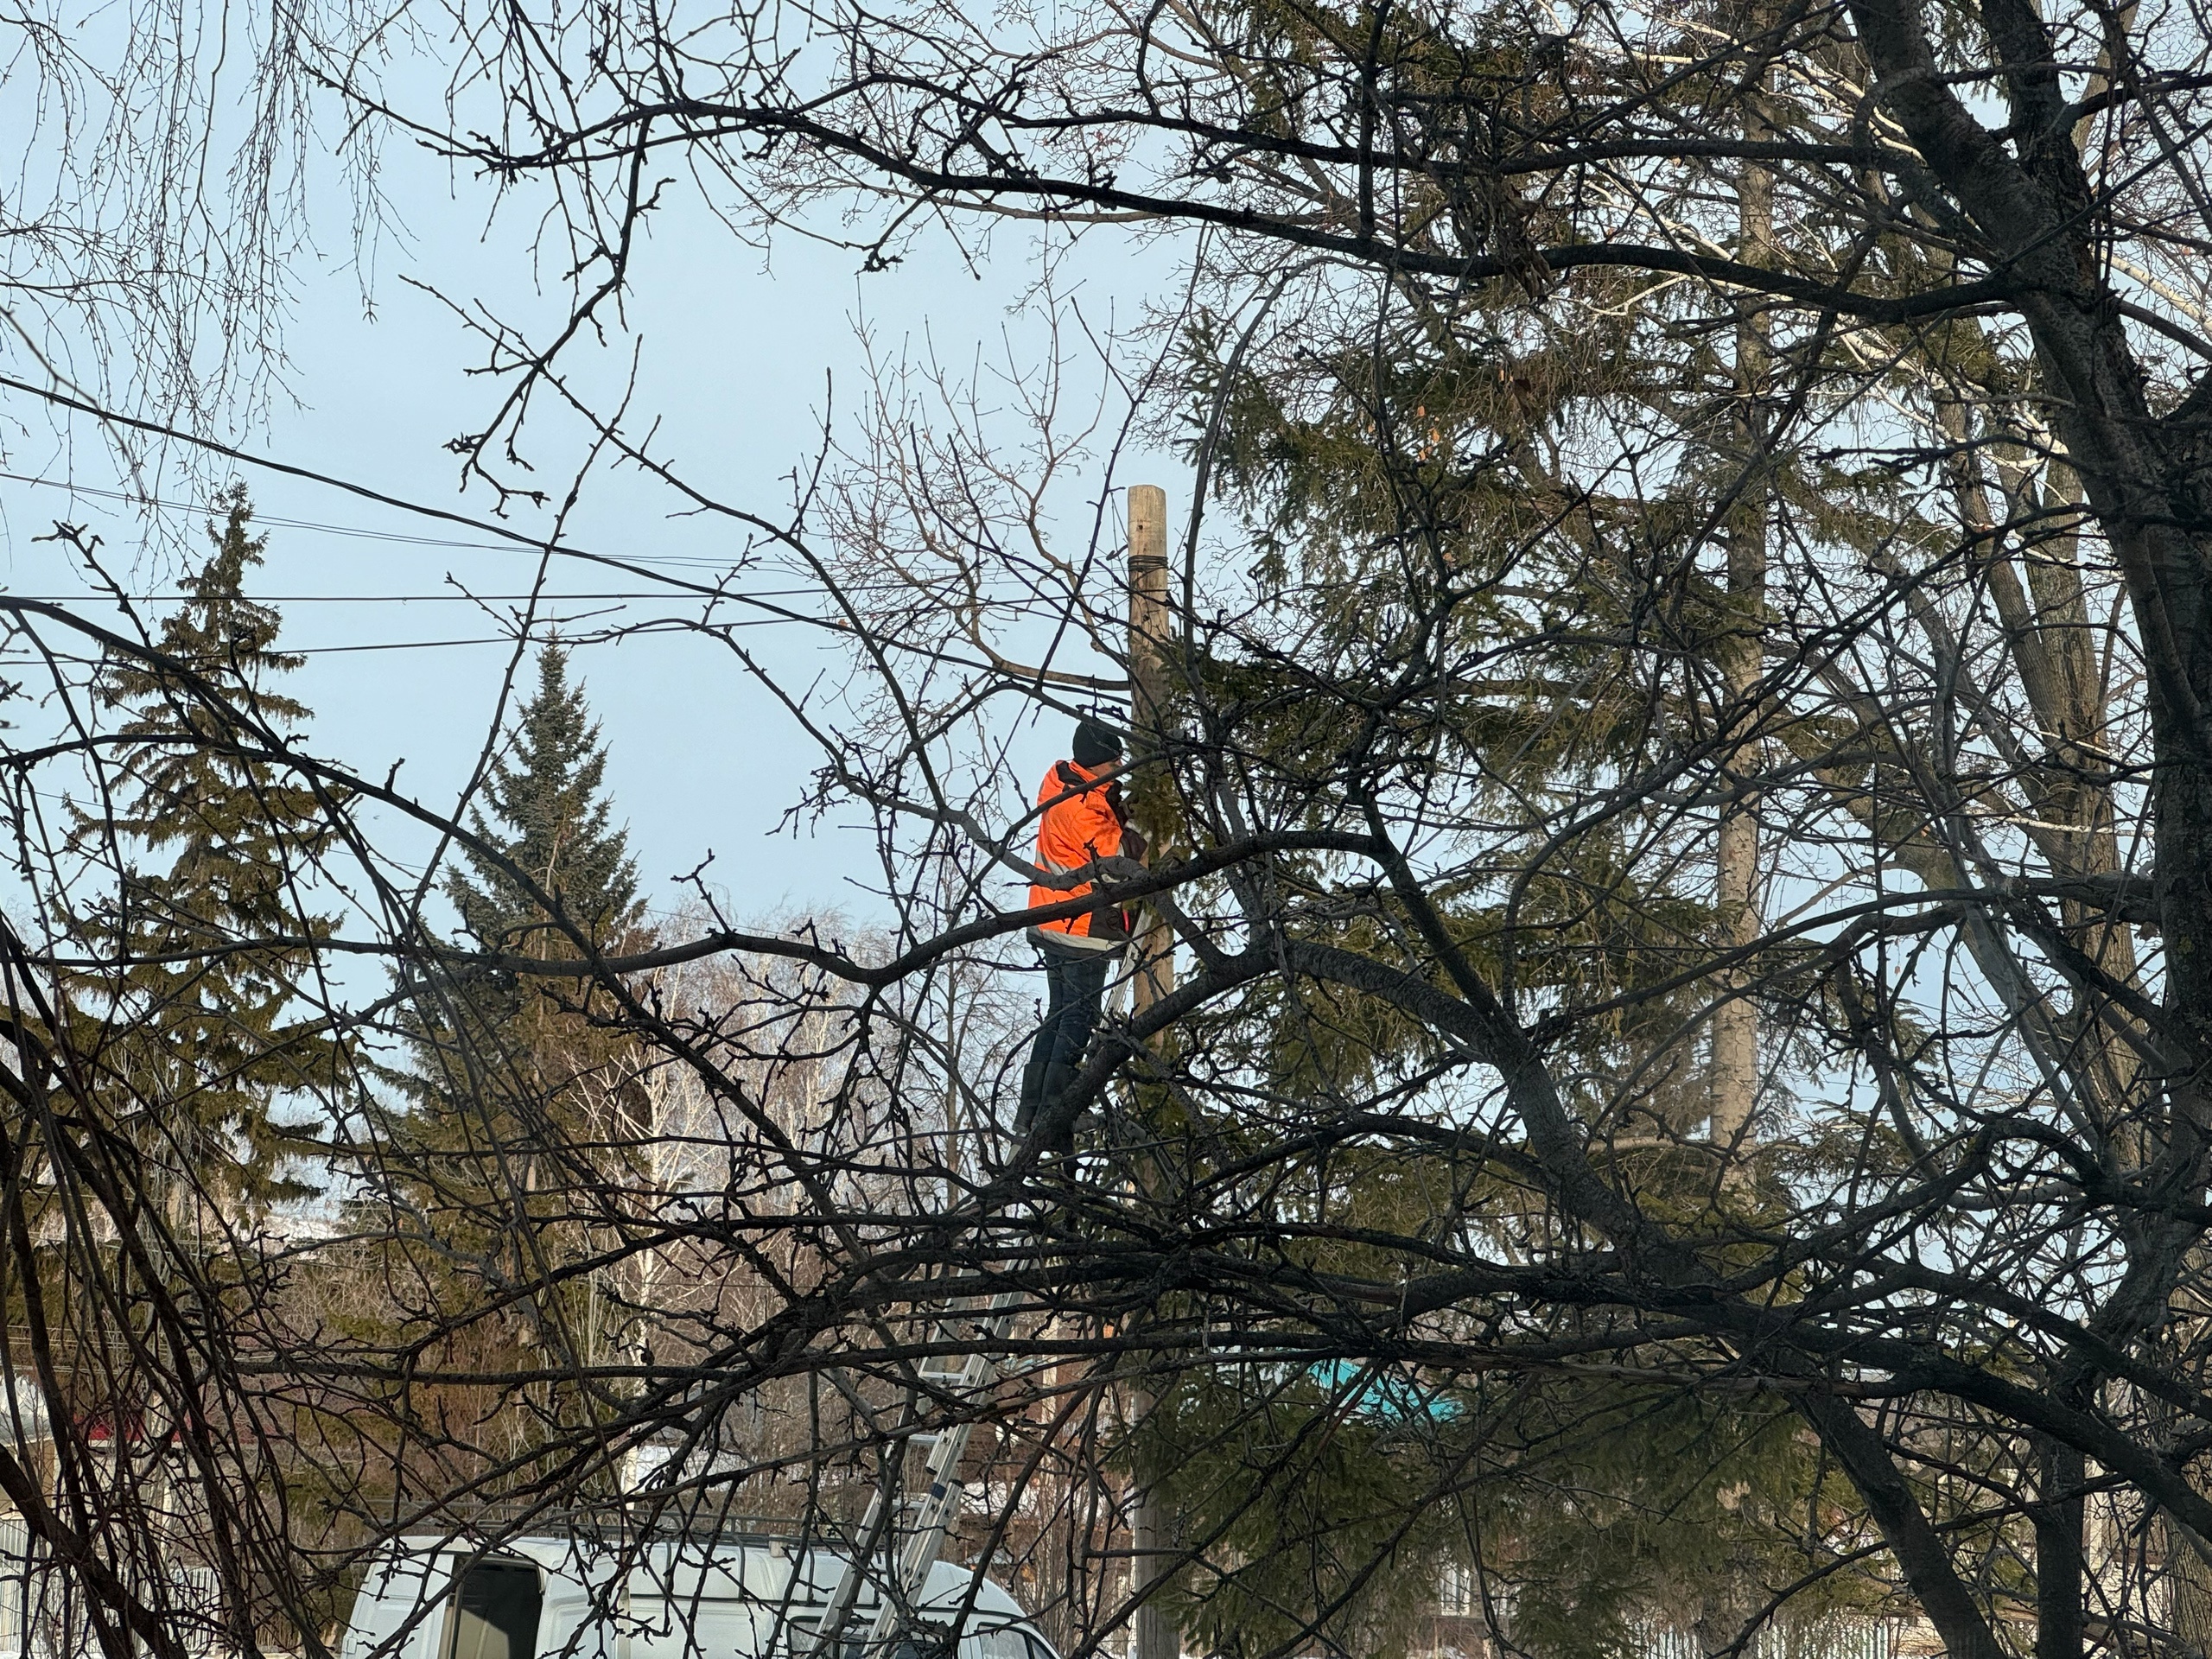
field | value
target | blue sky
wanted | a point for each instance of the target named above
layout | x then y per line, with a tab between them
738	353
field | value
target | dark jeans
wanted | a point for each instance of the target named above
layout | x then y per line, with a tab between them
1075	984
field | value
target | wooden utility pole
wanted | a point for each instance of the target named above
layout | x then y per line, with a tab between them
1150	637
1153	1636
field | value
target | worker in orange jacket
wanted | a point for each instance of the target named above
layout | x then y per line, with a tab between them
1081	823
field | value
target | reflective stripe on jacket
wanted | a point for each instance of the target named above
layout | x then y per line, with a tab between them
1079	827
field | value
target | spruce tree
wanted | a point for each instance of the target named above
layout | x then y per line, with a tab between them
520	1099
548	818
199	1022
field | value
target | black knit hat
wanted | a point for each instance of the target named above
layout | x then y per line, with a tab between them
1094	744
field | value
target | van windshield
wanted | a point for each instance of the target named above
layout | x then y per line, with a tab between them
1003	1641
494	1614
981	1642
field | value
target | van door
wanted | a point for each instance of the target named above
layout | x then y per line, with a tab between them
494	1612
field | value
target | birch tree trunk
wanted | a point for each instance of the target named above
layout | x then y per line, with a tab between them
1735	1021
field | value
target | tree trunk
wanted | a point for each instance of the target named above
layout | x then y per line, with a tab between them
2192	1590
1735	1021
2059	1562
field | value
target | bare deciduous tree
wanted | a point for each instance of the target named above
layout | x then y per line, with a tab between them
1708	523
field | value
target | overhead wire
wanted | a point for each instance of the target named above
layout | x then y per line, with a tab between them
509	540
321	527
376	598
362	532
383	645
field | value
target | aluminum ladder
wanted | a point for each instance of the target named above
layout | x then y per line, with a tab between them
934	1512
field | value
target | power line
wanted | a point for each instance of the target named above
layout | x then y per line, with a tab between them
380	644
393	644
380	599
359	532
130	499
514	540
363	533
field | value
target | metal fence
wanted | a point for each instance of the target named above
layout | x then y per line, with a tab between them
42	1613
1827	1638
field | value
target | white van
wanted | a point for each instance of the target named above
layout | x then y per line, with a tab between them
570	1597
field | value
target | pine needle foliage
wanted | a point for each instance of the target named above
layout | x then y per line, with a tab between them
200	1007
516	1084
549	817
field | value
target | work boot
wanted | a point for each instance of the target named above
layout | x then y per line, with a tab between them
1059	1078
1033	1093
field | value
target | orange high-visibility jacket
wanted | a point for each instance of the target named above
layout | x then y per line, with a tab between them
1079	827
